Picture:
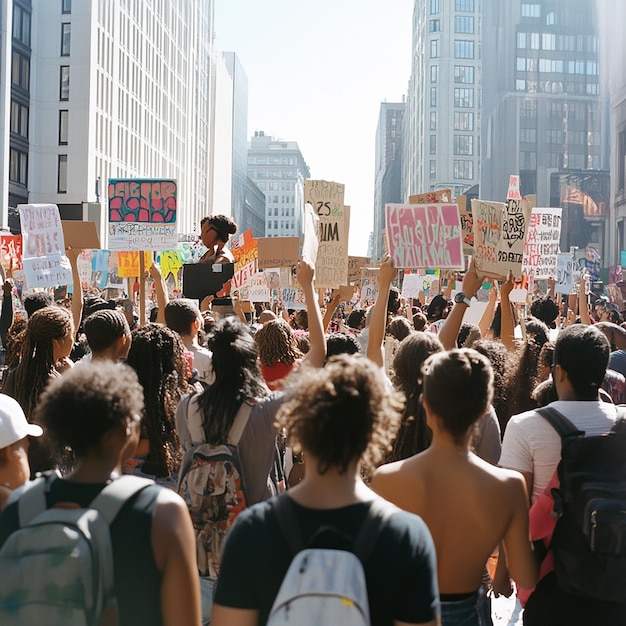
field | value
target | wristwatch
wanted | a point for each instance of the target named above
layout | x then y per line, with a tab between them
460	297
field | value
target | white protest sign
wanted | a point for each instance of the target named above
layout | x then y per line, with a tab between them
565	268
292	298
541	244
241	277
43	248
258	291
412	284
513	193
310	242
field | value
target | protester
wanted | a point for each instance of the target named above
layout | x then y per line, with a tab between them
278	351
94	411
337	415
108	336
459	495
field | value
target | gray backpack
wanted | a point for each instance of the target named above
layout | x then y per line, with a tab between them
57	568
325	586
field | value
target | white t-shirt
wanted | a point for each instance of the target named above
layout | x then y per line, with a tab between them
203	362
531	444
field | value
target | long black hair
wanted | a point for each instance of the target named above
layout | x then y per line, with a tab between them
237	378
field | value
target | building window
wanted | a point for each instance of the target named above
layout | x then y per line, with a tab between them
433	144
554	137
531	10
64	83
464	74
19	119
66	6
528	135
464	6
520	85
434	73
21	25
551	19
528	160
548	41
534	41
20	70
529	109
63	127
464	24
463	49
433	120
66	29
463	170
18	167
463	97
463	145
433	96
521	40
434	49
463	121
62	174
621	161
434	7
434	26
433	169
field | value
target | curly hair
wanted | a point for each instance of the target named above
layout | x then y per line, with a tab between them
545	309
414	434
157	354
399	328
342	413
277	343
37	354
103	328
15	339
237	378
224	226
498	356
79	408
458	386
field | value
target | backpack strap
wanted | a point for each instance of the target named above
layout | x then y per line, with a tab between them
559	422
113	497
31	497
239	423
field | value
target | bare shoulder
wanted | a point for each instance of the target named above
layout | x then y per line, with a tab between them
399	482
508	478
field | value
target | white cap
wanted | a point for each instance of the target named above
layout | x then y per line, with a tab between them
13	424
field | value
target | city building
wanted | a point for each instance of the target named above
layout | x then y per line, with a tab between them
442	119
544	115
254	214
388	171
279	170
114	89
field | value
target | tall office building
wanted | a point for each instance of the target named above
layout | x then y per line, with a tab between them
442	119
279	170
117	89
543	111
388	172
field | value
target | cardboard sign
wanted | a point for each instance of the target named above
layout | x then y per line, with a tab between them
128	263
258	291
499	232
327	200
467	225
565	269
80	235
346	292
142	214
242	276
541	244
355	263
244	249
278	252
424	236
11	251
43	258
441	196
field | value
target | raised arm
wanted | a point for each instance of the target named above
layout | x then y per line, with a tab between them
330	309
378	322
450	329
317	353
507	330
487	316
161	292
6	315
583	307
77	287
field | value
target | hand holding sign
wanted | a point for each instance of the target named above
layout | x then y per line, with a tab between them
471	281
507	286
304	273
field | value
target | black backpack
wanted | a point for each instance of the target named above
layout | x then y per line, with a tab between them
589	540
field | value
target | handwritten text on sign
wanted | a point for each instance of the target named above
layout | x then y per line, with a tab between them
44	260
424	235
499	231
127	236
541	244
326	197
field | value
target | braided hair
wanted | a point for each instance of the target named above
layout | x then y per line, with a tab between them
157	354
277	343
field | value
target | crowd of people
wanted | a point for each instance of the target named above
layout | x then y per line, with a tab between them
396	423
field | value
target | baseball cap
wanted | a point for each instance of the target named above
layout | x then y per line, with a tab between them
13	424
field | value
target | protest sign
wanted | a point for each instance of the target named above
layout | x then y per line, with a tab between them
142	214
424	235
310	241
171	262
292	298
11	251
565	267
355	263
243	275
80	235
258	291
441	196
412	284
278	251
541	244
327	199
244	249
43	249
84	264
513	193
128	263
499	231
99	267
467	225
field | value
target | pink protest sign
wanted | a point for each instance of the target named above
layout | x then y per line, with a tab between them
425	236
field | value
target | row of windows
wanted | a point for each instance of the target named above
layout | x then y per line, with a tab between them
463	120
271	161
463	145
557	66
283	225
575	138
463	97
462	6
573	110
550	41
273	174
462	24
275	186
462	74
284	212
463	49
557	86
21	25
64	94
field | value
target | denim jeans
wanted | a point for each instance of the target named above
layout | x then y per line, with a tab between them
473	611
207	591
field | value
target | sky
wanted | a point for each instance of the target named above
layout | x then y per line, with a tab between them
317	73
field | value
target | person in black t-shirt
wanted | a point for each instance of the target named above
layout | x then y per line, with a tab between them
338	416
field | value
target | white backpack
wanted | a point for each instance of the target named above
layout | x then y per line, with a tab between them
57	568
325	586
